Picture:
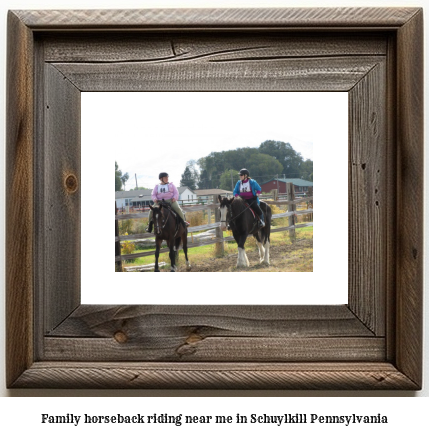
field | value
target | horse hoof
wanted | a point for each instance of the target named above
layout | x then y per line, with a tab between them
157	270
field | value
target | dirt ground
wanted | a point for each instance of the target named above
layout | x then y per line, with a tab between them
297	257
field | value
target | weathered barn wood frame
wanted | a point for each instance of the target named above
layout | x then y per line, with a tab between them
373	342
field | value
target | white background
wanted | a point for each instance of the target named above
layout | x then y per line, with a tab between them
22	414
319	116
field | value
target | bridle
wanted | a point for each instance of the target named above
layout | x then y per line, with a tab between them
158	228
228	206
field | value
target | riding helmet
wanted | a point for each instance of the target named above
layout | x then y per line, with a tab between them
161	175
244	172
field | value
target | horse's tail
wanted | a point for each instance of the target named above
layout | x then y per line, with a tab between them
268	214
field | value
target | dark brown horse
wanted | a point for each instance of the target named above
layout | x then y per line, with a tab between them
237	214
166	229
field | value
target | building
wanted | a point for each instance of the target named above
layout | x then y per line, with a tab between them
136	198
301	186
187	195
207	194
143	197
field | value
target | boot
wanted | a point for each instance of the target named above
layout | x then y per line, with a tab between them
149	228
185	223
261	221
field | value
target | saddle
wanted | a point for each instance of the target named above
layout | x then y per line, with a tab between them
177	218
256	221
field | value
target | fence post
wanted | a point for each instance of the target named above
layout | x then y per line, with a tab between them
310	203
219	246
118	264
291	208
275	194
209	212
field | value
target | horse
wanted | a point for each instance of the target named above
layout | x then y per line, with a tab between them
238	214
166	229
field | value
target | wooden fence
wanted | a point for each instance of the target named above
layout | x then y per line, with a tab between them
214	212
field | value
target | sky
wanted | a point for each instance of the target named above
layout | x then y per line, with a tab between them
153	132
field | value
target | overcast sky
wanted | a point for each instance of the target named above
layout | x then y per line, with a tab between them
152	132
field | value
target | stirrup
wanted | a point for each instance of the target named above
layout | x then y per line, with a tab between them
261	223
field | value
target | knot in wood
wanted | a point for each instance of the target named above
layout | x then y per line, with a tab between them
71	183
120	337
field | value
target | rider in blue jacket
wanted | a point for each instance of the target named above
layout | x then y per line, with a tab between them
249	190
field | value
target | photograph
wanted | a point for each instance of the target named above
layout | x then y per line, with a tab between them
227	171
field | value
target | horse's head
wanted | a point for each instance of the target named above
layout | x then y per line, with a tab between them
225	209
157	217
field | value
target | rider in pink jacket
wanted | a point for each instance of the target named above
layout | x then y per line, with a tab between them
168	192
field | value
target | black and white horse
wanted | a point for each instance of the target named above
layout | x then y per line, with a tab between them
236	213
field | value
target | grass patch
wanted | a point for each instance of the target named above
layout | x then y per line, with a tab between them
207	252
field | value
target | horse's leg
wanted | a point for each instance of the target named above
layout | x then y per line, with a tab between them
242	260
158	246
172	256
176	249
184	238
266	238
260	247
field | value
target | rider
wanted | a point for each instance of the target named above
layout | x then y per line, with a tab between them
249	190
168	192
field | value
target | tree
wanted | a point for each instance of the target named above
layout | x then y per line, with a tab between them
192	165
124	179
262	166
188	179
286	155
307	170
120	179
204	181
228	179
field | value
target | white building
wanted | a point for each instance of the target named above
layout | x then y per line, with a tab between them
143	197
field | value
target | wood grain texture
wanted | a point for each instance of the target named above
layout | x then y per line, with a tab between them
105	375
295	74
409	260
62	197
243	321
213	333
19	200
174	348
179	47
150	19
367	199
192	347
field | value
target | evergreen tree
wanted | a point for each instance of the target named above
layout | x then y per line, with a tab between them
188	179
120	179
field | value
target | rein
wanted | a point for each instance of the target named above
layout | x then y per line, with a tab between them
247	206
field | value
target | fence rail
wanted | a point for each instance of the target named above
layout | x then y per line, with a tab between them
216	239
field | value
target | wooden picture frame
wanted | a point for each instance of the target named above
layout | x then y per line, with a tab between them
373	342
